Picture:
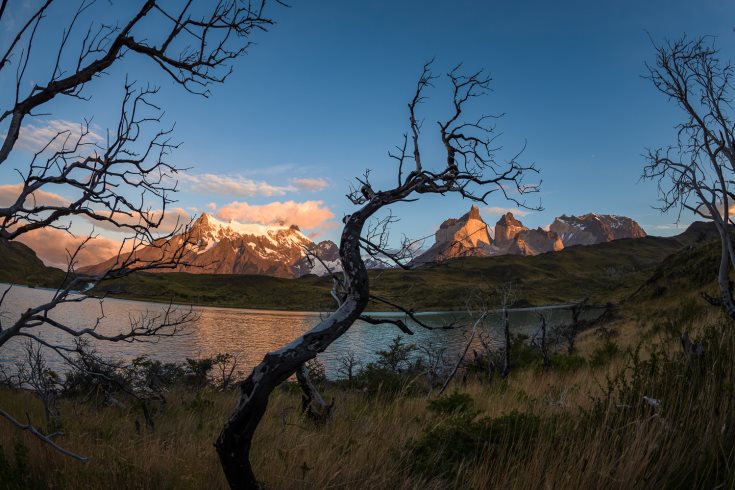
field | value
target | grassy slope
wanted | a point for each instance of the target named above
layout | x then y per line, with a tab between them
604	272
20	265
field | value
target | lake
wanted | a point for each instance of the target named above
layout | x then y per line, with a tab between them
247	333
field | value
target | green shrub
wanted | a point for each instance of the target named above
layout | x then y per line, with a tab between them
456	403
458	439
604	353
16	473
566	362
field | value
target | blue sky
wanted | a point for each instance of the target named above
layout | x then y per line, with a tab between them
323	96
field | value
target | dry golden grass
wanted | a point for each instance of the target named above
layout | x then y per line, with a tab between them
364	444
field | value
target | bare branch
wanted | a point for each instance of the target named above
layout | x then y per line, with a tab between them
46	439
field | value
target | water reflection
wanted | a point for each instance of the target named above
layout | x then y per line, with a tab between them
248	333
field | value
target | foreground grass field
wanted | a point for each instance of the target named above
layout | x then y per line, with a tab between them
576	426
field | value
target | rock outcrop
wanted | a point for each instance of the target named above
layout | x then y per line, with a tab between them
470	236
534	242
506	230
463	237
591	228
215	247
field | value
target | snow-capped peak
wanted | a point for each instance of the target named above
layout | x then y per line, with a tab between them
273	233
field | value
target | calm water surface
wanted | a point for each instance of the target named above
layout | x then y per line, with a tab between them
248	333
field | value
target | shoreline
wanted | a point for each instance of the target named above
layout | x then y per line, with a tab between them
296	311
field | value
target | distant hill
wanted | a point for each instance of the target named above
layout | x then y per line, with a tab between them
690	270
20	265
605	272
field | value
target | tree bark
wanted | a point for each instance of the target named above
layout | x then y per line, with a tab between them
723	277
234	442
544	346
506	335
310	395
469	177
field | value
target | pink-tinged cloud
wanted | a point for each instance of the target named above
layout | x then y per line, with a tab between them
319	231
307	214
56	133
310	184
175	219
212	206
54	246
233	185
9	194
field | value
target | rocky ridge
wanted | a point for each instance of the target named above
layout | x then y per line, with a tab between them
471	236
594	228
216	247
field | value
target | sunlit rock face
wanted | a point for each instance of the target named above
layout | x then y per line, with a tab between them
534	242
215	247
592	228
462	237
470	235
511	237
506	230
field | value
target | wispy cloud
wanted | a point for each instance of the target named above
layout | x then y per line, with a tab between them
174	219
306	215
230	185
9	193
499	211
56	133
667	226
240	186
310	184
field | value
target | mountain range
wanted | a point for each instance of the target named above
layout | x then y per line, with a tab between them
215	247
606	271
471	236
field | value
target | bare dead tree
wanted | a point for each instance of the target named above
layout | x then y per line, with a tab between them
468	167
125	179
226	365
488	356
348	365
46	385
697	172
463	354
569	331
543	345
435	356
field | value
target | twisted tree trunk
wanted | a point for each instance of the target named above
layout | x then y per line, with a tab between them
233	443
470	169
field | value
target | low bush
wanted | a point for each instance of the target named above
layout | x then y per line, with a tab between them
460	438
